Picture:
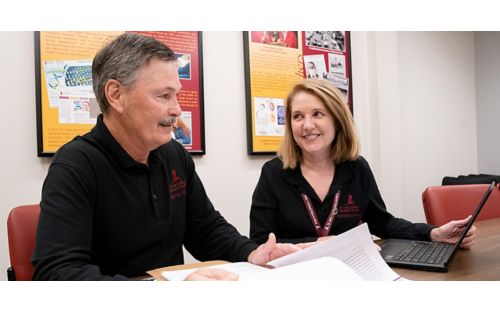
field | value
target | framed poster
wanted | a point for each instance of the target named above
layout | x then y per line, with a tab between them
274	61
65	102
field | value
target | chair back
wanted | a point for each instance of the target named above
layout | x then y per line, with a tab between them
21	229
471	179
453	202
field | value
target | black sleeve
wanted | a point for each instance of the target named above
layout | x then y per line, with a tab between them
297	240
382	223
64	234
264	212
208	235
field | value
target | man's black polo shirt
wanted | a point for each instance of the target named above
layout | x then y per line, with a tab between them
104	215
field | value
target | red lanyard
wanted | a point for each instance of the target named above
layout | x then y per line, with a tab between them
325	230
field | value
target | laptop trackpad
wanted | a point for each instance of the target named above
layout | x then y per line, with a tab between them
392	247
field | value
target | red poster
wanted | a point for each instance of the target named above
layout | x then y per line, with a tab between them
274	62
66	107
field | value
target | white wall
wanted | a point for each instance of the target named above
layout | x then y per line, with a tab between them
487	47
438	118
22	172
413	101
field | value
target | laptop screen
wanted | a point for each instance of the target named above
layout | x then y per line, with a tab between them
475	214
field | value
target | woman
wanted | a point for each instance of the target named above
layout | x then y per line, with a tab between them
320	186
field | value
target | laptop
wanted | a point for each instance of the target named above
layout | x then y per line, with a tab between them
427	255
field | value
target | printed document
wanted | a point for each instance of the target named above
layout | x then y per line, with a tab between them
350	256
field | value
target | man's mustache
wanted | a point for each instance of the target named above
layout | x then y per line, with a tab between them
169	121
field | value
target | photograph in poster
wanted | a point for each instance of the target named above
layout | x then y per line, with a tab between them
269	116
315	66
184	61
331	40
66	104
272	66
286	39
336	64
341	83
182	129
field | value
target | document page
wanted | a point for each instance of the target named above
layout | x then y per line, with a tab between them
349	256
355	248
321	269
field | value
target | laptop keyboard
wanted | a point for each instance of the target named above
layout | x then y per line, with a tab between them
423	252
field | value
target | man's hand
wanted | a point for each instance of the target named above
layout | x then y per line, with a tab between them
450	232
212	274
270	251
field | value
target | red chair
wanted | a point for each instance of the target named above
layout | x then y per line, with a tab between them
453	202
21	229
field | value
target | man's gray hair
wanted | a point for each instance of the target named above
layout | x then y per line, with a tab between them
122	58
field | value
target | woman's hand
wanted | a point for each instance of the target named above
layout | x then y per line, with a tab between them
451	231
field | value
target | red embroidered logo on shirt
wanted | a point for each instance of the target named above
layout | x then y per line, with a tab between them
350	208
177	187
349	199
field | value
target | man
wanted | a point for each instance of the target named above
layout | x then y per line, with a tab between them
124	198
311	70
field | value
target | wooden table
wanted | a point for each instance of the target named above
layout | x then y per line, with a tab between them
481	262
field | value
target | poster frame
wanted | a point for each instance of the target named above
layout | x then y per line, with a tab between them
250	123
43	152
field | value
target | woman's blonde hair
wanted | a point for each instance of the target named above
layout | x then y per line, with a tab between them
344	147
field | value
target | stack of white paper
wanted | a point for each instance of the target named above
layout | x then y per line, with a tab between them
349	256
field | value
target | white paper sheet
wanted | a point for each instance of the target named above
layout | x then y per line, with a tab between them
321	269
350	256
355	248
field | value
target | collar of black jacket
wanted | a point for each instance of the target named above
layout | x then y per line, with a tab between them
104	137
344	173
